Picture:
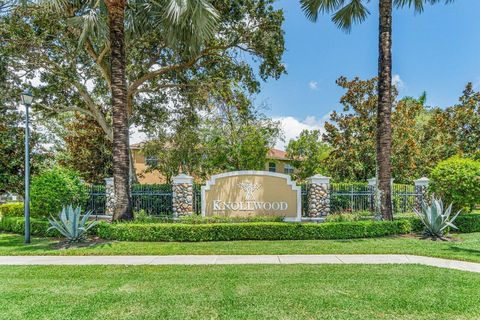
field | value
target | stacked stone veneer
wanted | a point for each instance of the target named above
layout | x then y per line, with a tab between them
421	192
318	196
182	197
109	197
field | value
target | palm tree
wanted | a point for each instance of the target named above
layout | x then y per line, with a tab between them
189	21
186	24
345	14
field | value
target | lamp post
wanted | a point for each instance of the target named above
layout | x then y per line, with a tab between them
27	99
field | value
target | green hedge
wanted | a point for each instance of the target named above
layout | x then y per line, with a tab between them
38	227
14	209
457	180
243	231
250	231
468	223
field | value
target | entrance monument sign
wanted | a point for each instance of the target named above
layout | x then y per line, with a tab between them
252	193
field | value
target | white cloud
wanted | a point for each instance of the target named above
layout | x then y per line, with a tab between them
313	85
292	127
398	82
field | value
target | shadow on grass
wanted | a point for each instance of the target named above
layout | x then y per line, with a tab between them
16	243
465	250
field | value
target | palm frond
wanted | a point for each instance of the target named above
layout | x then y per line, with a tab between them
311	8
354	12
185	22
418	5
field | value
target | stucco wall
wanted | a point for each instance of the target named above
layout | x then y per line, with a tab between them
153	177
156	177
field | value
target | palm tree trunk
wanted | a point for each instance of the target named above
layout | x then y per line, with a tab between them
121	157
384	109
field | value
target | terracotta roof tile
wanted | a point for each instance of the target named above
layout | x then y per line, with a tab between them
277	154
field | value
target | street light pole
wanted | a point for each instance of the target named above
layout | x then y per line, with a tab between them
27	99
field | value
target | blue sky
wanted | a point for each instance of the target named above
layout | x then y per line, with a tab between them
437	51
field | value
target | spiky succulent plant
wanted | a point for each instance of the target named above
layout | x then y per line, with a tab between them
435	218
71	224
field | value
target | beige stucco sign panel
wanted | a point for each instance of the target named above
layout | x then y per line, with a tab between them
246	193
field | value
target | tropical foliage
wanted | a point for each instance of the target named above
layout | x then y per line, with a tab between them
344	15
159	77
71	224
435	218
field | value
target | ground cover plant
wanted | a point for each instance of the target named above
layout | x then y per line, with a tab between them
238	292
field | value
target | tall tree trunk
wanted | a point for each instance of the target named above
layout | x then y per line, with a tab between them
121	157
384	109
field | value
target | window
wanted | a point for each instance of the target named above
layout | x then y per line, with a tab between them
272	167
151	161
288	169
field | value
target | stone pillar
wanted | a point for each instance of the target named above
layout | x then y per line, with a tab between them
318	196
182	197
421	190
109	197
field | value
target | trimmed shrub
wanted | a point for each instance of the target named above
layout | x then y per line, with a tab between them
142	217
250	231
55	188
38	227
196	219
457	180
14	209
243	231
341	217
350	216
468	223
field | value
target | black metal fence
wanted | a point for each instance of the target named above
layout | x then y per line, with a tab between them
154	199
97	200
352	197
197	199
344	197
304	200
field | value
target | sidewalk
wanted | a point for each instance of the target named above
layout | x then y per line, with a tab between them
241	259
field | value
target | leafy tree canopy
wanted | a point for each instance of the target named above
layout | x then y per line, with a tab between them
224	140
308	153
351	134
86	150
39	43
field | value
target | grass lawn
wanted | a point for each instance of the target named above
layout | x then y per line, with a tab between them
465	247
238	292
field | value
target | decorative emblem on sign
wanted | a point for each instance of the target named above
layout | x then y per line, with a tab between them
250	193
249	189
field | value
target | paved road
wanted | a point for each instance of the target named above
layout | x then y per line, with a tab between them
241	259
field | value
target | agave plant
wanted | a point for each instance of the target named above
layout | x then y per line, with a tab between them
70	225
435	218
